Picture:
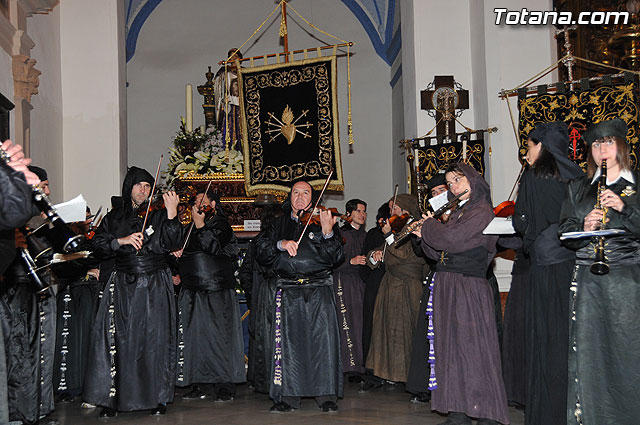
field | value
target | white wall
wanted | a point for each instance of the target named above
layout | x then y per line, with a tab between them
92	57
180	39
46	116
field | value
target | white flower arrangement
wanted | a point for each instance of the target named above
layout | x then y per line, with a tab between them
200	153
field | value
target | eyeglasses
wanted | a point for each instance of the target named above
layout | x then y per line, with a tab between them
607	142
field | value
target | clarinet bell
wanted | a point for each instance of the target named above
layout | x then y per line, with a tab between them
599	268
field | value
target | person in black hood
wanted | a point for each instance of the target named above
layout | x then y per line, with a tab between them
132	359
306	348
211	348
466	377
537	213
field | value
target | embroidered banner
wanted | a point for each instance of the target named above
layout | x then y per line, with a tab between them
289	113
433	158
579	109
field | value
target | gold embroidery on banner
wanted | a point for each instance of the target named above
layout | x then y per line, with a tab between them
287	127
583	108
260	177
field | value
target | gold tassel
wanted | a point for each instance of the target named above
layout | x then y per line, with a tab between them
349	120
283	24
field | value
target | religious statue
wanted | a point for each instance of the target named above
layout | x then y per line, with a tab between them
228	101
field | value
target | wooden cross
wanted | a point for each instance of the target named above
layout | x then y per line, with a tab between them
445	99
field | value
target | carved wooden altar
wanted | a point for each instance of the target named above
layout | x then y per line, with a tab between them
230	188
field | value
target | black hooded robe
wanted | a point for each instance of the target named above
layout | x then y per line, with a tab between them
306	348
76	309
467	367
536	217
210	343
349	289
260	279
604	333
132	358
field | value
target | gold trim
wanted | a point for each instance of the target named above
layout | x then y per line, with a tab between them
211	176
232	199
338	182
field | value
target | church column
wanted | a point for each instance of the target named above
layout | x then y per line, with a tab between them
93	70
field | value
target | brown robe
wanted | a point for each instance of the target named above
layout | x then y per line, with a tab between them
396	313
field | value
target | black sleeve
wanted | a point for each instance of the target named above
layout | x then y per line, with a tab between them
569	220
214	236
16	206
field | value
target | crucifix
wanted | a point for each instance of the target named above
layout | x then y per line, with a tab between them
568	61
441	99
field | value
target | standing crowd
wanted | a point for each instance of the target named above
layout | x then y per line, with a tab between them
410	303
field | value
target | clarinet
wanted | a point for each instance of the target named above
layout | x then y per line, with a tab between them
600	266
62	237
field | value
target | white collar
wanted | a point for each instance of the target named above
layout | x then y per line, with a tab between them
625	174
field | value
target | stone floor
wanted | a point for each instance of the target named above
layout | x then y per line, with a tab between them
389	405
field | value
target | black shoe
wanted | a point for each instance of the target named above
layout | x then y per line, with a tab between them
108	412
457	418
421	398
329	406
485	421
356	379
223	395
48	421
280	407
368	386
64	398
194	394
160	410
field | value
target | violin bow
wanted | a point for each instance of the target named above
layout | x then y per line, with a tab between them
395	196
315	207
192	222
155	182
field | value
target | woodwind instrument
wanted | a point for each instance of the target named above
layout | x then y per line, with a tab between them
600	266
60	235
451	205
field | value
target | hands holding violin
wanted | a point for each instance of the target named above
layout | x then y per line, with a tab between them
327	221
198	217
135	240
171	201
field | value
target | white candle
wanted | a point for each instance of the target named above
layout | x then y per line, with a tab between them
189	107
416	160
202	129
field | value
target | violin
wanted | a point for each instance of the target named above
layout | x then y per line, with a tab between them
504	209
397	222
507	208
157	203
207	210
308	218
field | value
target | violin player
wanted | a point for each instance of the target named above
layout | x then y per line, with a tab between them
349	289
397	304
208	306
120	376
306	330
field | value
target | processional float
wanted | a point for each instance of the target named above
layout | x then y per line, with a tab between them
270	120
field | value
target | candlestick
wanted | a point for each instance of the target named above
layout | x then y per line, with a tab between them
189	107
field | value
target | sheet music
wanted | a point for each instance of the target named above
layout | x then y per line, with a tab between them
73	210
